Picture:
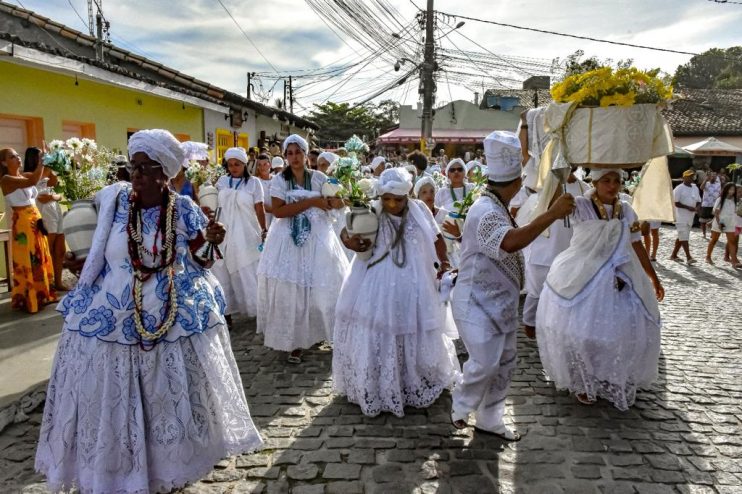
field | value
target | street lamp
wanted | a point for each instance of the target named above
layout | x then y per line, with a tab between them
401	62
460	24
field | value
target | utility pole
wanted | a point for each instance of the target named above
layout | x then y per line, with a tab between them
99	37
250	75
285	89
427	70
291	94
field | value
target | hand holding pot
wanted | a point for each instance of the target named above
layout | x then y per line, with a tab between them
356	243
563	206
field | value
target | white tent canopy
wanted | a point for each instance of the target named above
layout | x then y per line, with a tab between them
713	147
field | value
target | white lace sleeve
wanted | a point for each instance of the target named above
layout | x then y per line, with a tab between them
491	231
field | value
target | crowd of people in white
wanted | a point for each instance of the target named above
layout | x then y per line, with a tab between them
145	394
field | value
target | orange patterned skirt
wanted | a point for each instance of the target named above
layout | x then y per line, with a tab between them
33	273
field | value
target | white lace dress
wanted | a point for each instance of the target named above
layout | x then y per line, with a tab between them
237	272
390	347
298	286
598	320
122	419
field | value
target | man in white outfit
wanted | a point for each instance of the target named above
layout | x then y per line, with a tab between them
485	299
541	254
687	203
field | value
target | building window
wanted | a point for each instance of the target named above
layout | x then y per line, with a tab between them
77	129
19	132
243	140
224	141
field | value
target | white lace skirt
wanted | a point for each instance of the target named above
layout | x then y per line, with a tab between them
602	343
240	288
122	420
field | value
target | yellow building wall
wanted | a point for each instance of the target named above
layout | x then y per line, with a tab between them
54	98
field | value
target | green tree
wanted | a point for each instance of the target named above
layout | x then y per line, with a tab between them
339	121
717	68
576	64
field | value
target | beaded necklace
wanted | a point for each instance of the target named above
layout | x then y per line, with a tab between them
239	182
453	194
142	273
601	211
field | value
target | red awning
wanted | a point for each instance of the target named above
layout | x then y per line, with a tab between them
440	136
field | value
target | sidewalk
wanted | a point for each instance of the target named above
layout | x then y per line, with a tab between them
27	346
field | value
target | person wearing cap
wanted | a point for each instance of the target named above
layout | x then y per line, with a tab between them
144	381
485	298
277	165
241	202
598	319
303	264
687	199
325	161
378	165
392	339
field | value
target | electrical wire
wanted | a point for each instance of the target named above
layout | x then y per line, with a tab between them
575	36
246	36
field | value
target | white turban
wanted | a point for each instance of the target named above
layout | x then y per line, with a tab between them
503	153
237	154
298	140
396	181
197	151
277	162
422	182
598	173
160	146
456	161
328	156
473	164
377	161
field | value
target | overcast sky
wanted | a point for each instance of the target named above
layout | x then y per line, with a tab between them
198	38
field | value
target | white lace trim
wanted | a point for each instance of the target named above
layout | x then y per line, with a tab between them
493	226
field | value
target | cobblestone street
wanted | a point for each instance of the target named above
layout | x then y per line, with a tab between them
684	435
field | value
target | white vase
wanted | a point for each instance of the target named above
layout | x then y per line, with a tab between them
208	197
361	220
454	219
79	225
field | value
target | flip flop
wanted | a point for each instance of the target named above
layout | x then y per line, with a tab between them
583	399
294	358
506	435
459	424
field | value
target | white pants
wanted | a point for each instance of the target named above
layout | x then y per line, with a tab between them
535	279
486	377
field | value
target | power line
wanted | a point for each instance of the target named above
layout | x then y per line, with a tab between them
726	1
575	36
77	13
245	35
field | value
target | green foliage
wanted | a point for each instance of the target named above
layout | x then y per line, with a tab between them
575	64
339	121
717	68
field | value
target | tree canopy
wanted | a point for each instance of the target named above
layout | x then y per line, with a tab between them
339	121
717	68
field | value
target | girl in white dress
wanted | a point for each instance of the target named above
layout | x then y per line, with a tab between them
725	221
241	201
263	173
303	263
598	319
391	348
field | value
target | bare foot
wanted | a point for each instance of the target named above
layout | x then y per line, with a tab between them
583	398
709	261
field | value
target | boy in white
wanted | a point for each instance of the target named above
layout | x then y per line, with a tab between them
485	300
687	201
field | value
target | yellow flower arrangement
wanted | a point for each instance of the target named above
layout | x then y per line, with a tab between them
606	87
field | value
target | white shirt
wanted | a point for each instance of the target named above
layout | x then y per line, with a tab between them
444	199
727	213
711	192
687	196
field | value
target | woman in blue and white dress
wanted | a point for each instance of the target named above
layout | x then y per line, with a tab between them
241	203
303	263
144	394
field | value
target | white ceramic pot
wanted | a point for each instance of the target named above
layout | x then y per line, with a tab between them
208	196
79	225
364	222
617	136
455	219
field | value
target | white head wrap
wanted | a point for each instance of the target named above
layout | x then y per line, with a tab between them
411	169
434	168
328	156
502	150
598	173
298	140
277	162
160	146
472	165
422	182
197	151
456	161
377	161
397	181
236	153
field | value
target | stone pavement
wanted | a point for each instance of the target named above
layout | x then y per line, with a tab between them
684	434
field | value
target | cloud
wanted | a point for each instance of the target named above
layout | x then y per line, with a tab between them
197	37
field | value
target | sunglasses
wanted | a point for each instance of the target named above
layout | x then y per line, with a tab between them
460	170
143	169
